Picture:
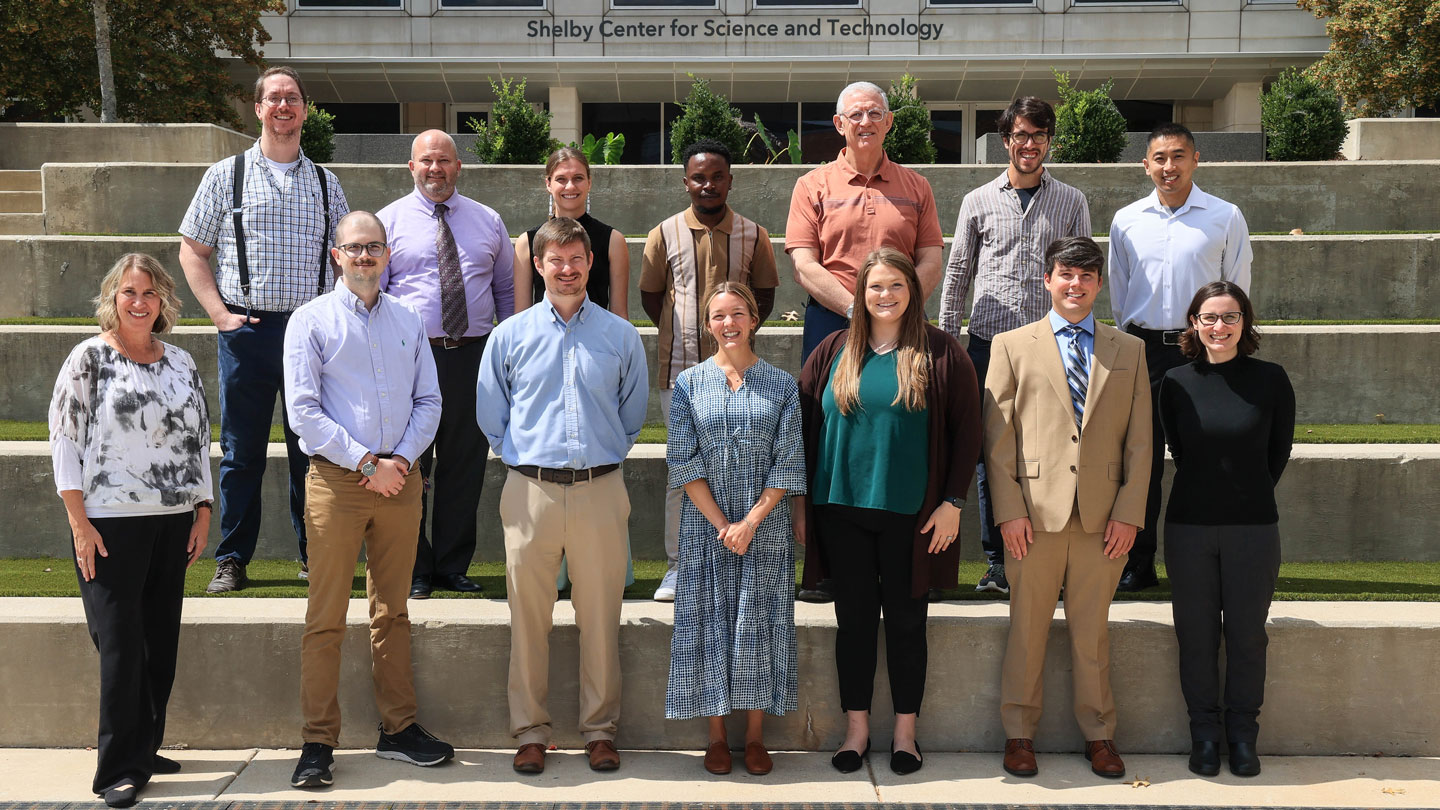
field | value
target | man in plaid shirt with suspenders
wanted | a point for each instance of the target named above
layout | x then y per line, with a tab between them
269	216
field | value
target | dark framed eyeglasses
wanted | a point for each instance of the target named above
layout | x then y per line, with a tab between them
1040	138
354	249
1209	318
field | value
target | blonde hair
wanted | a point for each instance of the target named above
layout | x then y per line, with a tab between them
741	291
912	354
105	311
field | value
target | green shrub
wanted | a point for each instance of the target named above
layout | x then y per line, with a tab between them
909	138
602	151
317	134
516	132
1088	126
707	115
1301	118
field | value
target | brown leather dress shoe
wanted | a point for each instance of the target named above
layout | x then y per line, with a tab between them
603	756
530	758
757	759
1104	759
717	758
1020	757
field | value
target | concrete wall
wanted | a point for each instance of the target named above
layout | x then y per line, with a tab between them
1214	147
1309	277
1379	196
387	150
1392	139
239	660
1337	502
27	146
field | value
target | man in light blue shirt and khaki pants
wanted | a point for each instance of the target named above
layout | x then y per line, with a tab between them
561	397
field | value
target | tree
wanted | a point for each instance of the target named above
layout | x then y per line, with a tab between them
317	134
167	57
516	132
707	115
107	65
1384	54
909	138
1088	126
1301	119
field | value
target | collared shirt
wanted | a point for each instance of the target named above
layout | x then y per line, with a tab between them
360	381
283	224
486	260
1087	337
562	395
1159	258
1000	246
844	215
686	259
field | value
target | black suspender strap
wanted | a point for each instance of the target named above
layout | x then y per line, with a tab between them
235	214
325	235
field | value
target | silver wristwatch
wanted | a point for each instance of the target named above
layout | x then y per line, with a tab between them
367	469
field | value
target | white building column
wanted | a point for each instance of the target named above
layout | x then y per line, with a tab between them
565	115
1239	109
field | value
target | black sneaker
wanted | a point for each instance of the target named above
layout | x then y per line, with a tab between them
822	593
994	579
229	576
316	760
415	745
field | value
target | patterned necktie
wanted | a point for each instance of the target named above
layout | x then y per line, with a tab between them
1077	371
453	317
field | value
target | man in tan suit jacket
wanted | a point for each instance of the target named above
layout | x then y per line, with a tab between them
1067	447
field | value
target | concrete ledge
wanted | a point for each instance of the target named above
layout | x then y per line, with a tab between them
1341	374
1214	147
1310	277
1392	139
1373	196
1337	502
28	146
238	684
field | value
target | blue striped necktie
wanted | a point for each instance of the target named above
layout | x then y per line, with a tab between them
1077	370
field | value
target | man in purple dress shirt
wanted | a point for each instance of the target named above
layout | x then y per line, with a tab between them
451	263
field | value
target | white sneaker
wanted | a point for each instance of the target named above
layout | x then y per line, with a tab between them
666	591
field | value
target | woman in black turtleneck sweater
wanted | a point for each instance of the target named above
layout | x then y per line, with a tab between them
1229	421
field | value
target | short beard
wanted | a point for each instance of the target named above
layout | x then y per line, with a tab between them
709	212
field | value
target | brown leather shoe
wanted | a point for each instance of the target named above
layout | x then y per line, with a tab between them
1020	757
717	758
1104	759
530	758
757	759
603	756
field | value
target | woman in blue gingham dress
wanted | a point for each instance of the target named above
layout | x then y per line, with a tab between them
735	445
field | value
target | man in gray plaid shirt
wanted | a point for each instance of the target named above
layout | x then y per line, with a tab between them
288	209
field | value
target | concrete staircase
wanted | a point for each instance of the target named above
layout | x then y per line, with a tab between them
22	203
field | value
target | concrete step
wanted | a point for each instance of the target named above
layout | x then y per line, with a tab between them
239	661
1341	374
1310	277
1337	502
21	202
19	180
17	224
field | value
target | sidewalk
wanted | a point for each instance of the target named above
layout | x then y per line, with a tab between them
666	777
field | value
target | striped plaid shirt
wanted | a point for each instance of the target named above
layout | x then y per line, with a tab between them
282	226
1001	248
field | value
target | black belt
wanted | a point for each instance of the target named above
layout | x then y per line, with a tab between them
565	476
455	343
1169	337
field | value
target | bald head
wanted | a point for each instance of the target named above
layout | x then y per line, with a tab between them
435	164
357	222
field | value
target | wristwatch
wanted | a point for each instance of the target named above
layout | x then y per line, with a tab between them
850	312
367	469
958	503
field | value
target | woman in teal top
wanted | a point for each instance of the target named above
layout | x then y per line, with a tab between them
892	430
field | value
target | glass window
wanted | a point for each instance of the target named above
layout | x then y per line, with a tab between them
663	3
1143	116
1125	2
819	142
807	3
778	117
639	122
955	3
462	120
492	3
948	135
303	4
354	118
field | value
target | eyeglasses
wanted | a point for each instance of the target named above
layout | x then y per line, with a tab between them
276	101
874	115
1209	318
1040	138
354	249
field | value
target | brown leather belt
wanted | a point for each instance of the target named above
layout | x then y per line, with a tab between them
564	476
455	343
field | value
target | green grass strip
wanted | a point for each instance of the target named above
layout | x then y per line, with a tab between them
1302	582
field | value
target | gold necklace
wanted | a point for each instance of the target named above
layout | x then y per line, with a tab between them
125	347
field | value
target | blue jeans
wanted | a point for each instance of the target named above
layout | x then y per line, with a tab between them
251	375
979	350
820	323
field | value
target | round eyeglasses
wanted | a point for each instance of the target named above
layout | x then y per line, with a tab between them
1209	318
354	249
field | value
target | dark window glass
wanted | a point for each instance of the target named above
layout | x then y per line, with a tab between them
349	4
639	123
819	141
1427	112
942	3
948	135
462	120
778	117
1126	2
662	4
363	119
817	3
1143	116
492	3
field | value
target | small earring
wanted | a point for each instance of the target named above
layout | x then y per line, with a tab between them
550	214
587	203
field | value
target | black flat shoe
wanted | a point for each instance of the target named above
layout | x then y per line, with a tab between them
459	583
164	765
848	761
904	762
1243	759
122	795
1204	757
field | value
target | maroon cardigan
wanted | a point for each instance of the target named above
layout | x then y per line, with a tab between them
953	401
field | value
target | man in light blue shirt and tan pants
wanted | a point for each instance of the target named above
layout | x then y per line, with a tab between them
561	397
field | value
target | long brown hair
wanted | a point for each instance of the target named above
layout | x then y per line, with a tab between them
912	354
1190	343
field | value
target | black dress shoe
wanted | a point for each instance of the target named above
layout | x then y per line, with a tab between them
904	762
823	593
164	765
1204	757
1138	579
420	588
1243	759
848	761
456	582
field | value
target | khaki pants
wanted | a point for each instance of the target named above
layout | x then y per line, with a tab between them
340	515
1077	560
586	522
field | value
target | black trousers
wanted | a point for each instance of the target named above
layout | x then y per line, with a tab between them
869	555
132	607
1159	358
453	467
979	350
1223	578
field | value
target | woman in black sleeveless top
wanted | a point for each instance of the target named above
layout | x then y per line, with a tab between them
567	179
